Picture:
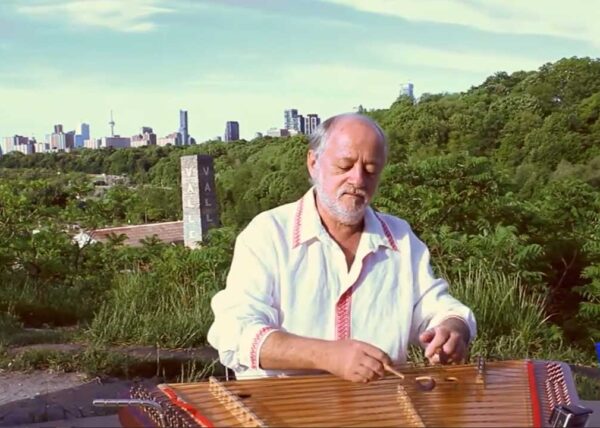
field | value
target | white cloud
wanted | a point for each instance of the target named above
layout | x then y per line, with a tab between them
466	61
118	15
574	19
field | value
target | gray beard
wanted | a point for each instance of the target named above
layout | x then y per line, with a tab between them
335	208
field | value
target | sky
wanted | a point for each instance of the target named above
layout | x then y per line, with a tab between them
73	61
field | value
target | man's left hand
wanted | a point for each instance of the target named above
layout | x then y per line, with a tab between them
447	342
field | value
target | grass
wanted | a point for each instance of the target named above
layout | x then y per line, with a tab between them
587	388
35	336
9	326
167	305
142	310
40	305
511	322
99	361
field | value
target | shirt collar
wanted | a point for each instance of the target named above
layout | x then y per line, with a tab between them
307	225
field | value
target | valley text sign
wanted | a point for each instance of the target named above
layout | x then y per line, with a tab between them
198	197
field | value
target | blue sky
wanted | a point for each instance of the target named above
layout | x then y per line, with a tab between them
72	61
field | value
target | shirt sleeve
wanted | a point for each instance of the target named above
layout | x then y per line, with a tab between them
244	312
433	303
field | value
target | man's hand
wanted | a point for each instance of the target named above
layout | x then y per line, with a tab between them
447	342
355	361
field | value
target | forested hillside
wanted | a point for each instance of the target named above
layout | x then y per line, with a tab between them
502	181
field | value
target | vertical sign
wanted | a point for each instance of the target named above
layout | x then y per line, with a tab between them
198	197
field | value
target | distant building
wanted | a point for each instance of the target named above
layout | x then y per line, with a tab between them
407	90
232	131
56	140
84	134
42	147
293	121
311	121
7	144
146	137
173	139
116	142
289	118
17	143
183	127
299	124
69	141
92	143
59	141
277	132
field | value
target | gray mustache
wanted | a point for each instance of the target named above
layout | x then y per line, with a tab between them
352	191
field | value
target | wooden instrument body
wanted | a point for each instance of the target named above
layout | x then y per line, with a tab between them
506	393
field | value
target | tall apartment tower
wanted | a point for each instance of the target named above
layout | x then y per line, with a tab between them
289	117
232	131
183	127
292	121
311	121
408	90
84	134
299	124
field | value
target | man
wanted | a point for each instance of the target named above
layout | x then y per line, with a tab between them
326	283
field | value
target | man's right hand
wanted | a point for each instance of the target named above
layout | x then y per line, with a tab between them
355	361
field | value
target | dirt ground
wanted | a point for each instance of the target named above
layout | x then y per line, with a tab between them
46	398
19	386
43	397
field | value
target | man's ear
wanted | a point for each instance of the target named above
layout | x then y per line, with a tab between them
311	163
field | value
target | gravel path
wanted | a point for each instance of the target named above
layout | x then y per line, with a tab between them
19	386
40	396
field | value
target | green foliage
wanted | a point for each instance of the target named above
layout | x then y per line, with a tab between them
9	325
168	301
512	320
504	177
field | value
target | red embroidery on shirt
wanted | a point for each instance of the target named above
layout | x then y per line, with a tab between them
254	349
388	233
297	223
343	311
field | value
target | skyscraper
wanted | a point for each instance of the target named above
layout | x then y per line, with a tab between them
183	127
299	124
232	131
84	134
408	90
311	121
289	117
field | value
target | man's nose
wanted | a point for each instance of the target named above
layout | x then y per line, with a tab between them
357	175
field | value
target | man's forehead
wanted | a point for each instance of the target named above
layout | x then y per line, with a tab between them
344	124
352	142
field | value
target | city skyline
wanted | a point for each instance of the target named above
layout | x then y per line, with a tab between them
73	61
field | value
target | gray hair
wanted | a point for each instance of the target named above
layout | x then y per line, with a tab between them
317	141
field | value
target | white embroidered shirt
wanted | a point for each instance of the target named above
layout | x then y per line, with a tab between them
288	274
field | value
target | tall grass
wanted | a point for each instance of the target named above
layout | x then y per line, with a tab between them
143	311
38	304
167	306
512	321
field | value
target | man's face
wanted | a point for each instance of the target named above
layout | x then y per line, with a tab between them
347	173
